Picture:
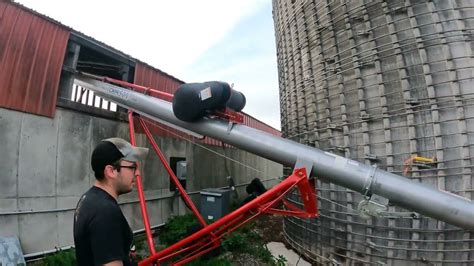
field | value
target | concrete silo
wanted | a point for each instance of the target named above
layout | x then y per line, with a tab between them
380	82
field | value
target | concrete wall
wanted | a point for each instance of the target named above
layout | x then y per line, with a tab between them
45	165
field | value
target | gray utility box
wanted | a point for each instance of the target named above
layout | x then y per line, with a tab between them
215	203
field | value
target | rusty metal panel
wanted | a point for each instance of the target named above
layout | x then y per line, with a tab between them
153	78
32	51
257	124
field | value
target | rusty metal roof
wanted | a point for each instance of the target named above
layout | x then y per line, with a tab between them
32	51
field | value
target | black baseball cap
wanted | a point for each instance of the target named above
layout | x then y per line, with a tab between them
109	151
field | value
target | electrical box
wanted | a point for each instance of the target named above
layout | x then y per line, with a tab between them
181	169
215	203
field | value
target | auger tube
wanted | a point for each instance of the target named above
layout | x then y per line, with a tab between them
359	177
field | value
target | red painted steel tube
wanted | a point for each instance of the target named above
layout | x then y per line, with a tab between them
186	260
308	191
264	208
175	180
269	195
141	195
203	248
203	245
225	228
186	249
146	90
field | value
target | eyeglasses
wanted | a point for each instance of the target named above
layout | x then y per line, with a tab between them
133	167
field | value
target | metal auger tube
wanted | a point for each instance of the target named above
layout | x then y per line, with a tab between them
359	177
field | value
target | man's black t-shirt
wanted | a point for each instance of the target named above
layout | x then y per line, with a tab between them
101	232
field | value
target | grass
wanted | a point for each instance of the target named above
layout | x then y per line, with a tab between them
60	258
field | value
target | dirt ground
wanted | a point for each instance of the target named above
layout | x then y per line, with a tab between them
270	227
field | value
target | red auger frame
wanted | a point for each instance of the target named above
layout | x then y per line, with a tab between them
209	237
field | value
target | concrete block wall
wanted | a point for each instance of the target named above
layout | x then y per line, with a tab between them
380	82
45	166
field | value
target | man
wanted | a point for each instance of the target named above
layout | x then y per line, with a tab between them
102	235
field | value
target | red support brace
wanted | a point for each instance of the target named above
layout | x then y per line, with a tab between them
208	238
261	204
141	195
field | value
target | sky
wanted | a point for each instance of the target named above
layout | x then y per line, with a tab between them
195	41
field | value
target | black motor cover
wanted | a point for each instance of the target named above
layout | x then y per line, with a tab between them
236	101
192	101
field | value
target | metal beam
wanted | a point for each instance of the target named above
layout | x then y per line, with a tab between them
359	177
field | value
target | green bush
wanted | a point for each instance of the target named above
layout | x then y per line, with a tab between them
236	242
243	240
176	229
213	261
281	260
246	240
60	258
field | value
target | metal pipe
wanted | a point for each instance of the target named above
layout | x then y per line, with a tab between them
141	194
39	255
187	200
359	177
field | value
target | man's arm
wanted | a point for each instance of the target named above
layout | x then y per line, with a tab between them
114	263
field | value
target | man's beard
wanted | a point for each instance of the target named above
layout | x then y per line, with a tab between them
123	188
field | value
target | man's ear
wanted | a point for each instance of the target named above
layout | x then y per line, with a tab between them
109	171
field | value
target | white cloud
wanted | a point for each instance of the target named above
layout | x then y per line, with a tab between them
166	34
